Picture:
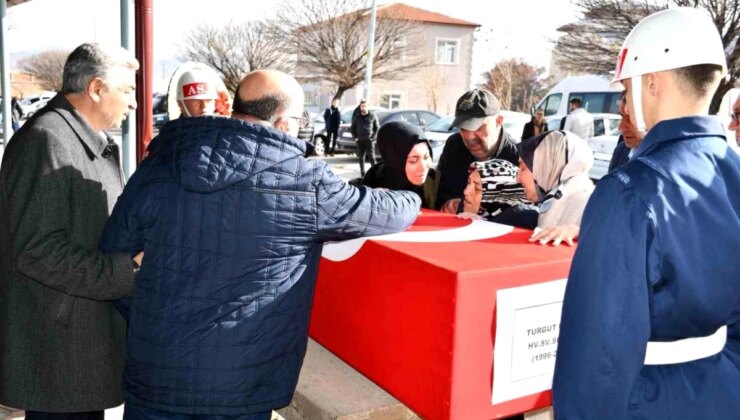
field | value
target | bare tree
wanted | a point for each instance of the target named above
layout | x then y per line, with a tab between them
433	81
517	84
498	81
330	40
592	44
234	49
47	67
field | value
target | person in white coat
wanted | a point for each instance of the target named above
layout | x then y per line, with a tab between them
579	121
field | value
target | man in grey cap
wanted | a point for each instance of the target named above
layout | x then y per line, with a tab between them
481	137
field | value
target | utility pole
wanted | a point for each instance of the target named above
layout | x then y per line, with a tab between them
370	53
6	120
128	128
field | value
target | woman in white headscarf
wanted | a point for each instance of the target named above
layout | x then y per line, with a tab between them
553	168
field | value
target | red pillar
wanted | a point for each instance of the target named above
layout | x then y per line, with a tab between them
144	53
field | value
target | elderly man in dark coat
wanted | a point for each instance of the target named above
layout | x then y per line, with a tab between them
61	341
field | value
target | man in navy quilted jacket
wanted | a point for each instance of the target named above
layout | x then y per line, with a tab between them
232	218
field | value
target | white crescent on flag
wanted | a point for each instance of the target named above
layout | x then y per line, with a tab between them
476	230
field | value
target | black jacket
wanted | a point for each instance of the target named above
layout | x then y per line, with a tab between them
365	127
529	129
456	159
332	118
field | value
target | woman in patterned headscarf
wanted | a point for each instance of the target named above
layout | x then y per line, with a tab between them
553	168
493	194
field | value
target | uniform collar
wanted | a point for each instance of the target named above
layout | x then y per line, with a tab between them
678	129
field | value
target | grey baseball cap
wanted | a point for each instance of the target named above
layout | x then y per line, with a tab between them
473	107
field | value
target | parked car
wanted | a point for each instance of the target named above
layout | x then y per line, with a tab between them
596	93
605	123
603	148
159	110
420	118
32	104
514	123
308	134
440	130
319	128
606	130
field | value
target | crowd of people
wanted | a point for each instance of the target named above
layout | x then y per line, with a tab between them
206	259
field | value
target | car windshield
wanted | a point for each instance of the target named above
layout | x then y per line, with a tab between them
159	104
442	125
381	115
347	116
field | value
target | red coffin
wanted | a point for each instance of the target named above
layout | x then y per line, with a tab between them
418	318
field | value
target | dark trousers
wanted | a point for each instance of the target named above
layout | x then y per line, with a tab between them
331	140
365	148
135	412
90	415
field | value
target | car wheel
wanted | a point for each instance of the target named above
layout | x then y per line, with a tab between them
319	146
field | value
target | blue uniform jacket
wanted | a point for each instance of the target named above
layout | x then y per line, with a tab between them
657	261
231	218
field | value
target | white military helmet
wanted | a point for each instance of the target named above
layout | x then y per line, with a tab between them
196	84
668	40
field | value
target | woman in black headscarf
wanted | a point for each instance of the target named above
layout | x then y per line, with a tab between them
407	162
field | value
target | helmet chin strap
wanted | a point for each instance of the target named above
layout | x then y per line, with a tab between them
184	108
639	117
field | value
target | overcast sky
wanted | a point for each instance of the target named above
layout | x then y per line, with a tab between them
521	28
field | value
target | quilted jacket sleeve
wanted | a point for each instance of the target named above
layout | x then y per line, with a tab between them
346	212
123	233
125	230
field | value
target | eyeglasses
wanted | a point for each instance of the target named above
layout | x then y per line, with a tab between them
302	122
735	117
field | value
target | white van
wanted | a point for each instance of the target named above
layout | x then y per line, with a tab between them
594	91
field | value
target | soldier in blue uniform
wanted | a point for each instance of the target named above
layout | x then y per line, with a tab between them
650	326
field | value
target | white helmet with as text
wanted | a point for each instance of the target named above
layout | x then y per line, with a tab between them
197	84
667	40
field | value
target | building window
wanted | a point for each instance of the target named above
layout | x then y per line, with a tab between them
399	46
311	98
447	51
391	101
